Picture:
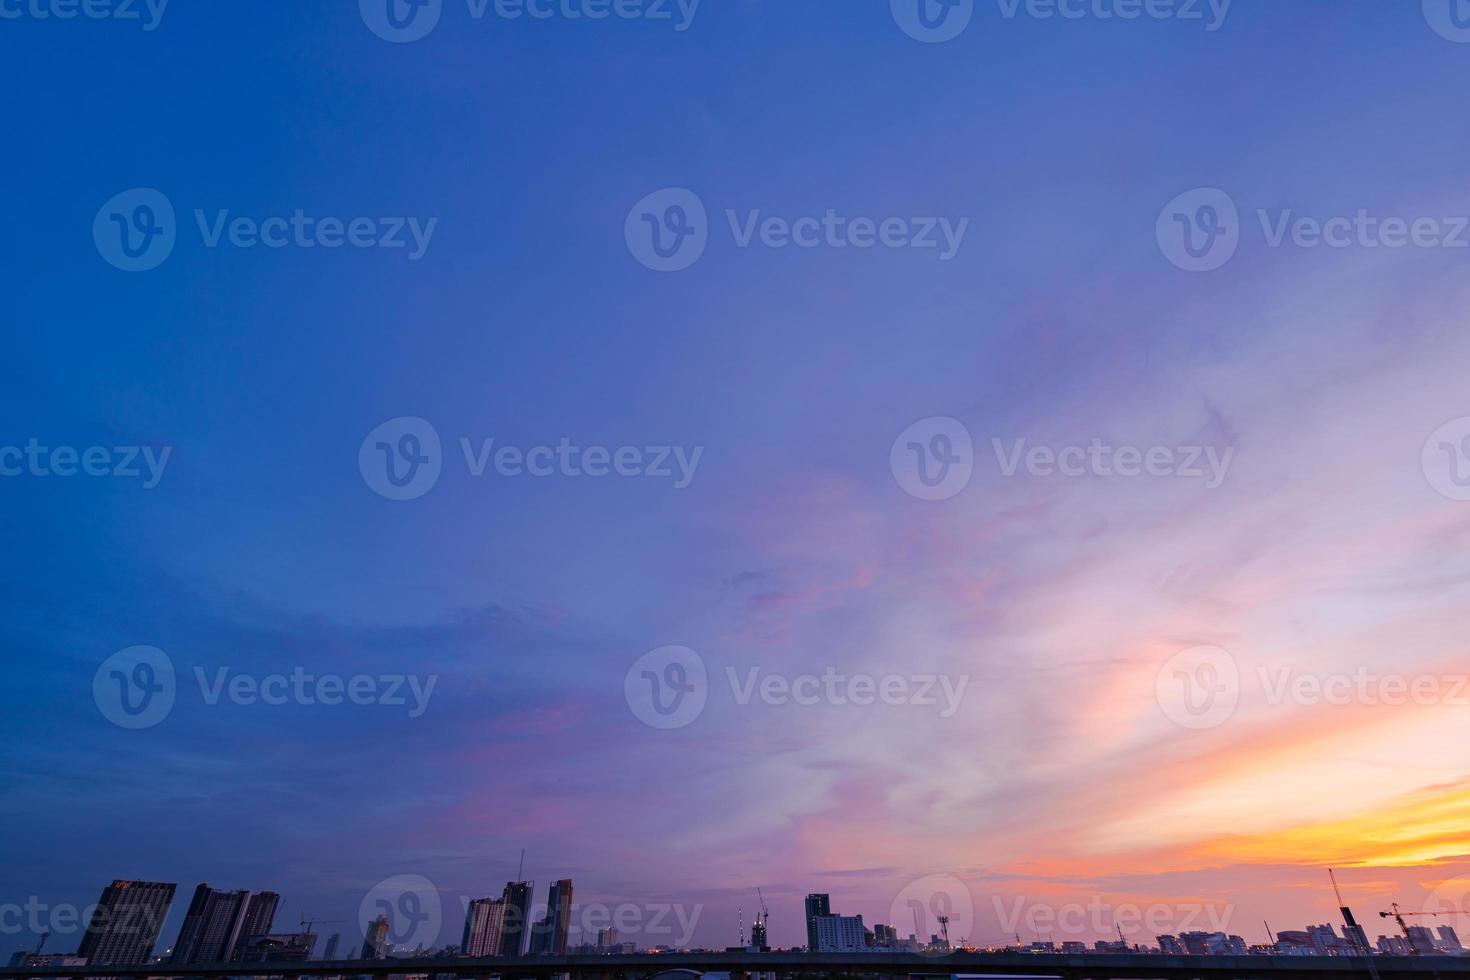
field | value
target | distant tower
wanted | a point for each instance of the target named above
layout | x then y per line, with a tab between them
331	951
260	914
516	926
483	921
212	927
375	939
124	925
817	906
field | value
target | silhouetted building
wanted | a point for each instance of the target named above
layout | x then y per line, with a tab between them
260	914
515	927
212	926
817	905
124	925
840	934
607	940
551	932
1449	940
1421	939
330	953
1171	945
288	947
375	939
483	922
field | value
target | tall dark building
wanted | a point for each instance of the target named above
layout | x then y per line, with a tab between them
260	914
125	924
551	932
817	906
516	926
375	939
331	951
483	921
212	926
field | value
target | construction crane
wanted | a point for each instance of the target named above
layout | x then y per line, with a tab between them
762	923
1398	916
1355	934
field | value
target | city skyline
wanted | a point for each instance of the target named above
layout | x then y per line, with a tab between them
809	447
412	918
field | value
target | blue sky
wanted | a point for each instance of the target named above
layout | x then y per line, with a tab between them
793	548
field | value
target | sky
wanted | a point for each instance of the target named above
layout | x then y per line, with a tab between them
1148	553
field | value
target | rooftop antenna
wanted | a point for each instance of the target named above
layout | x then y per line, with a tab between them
521	868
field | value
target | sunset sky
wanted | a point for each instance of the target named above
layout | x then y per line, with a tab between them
1064	777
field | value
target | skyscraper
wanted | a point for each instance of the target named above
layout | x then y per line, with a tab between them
375	939
212	926
483	922
125	924
331	951
817	905
551	931
260	914
516	925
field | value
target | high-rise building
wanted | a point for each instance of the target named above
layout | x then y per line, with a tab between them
551	931
212	926
1421	940
516	926
817	905
840	933
758	939
330	953
1449	939
124	925
293	947
607	940
260	914
1170	945
483	922
375	939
